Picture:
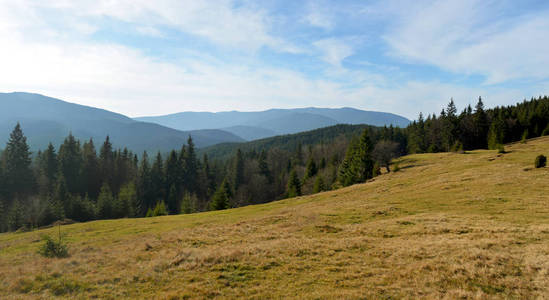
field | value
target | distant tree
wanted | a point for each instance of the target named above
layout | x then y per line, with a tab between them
264	167
105	203
70	163
481	125
48	170
238	170
128	203
310	169
157	179
106	162
358	164
91	172
188	204
18	175
173	201
191	167
384	151
221	197
62	199
319	185
294	185
145	194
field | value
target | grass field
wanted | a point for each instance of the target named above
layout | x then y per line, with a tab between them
472	225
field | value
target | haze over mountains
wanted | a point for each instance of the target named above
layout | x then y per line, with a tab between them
45	119
261	124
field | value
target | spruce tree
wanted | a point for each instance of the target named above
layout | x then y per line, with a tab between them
18	176
106	162
173	201
61	200
191	167
127	201
264	167
358	164
293	188
70	163
157	179
481	125
221	197
145	194
319	185
105	202
310	169
48	169
238	170
91	172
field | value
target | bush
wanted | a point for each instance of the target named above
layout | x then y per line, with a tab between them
53	248
396	167
541	161
501	149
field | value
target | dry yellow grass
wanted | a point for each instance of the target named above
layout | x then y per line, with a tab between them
472	225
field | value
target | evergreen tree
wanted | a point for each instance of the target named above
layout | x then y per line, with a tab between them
172	179
358	164
481	125
105	203
173	201
188	204
294	185
238	170
310	169
221	197
319	185
62	204
49	170
70	163
91	172
157	179
106	163
127	201
16	216
191	167
18	176
145	193
264	167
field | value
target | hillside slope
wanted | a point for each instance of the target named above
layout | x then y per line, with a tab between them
46	119
472	225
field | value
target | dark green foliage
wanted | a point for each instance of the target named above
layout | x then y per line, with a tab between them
105	203
294	185
173	201
18	177
540	161
70	162
319	185
310	169
524	137
83	209
188	204
238	170
54	248
222	196
358	164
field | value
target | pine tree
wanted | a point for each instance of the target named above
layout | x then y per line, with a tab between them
70	163
358	164
238	170
17	165
188	204
264	167
91	172
481	125
105	202
172	179
61	200
310	169
319	185
106	163
173	201
48	169
293	188
145	194
191	167
221	197
127	201
16	216
157	179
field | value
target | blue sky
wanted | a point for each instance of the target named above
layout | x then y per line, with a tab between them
141	57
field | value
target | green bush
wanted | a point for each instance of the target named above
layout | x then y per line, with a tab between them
541	161
396	167
53	248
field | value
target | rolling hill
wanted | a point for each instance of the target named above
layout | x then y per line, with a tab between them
273	122
447	225
46	119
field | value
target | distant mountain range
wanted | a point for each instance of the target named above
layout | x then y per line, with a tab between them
262	124
46	119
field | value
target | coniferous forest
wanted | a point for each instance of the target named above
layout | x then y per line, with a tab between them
82	181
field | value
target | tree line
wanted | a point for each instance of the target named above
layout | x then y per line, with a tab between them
78	182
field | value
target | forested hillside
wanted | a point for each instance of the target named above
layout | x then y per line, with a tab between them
82	181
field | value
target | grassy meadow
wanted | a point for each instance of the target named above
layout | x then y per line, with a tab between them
447	225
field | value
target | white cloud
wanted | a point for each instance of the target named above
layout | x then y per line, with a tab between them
465	37
334	51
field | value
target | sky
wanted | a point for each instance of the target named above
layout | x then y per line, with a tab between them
142	57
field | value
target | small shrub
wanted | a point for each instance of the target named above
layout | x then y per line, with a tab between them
396	167
501	148
53	248
541	161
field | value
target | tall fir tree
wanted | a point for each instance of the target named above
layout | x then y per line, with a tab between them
293	188
18	175
70	163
